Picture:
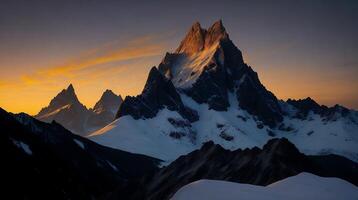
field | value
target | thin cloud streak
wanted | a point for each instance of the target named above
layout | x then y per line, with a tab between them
136	49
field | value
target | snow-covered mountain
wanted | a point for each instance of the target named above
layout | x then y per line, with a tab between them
205	91
67	110
302	186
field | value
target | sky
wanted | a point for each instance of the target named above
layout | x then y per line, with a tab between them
299	48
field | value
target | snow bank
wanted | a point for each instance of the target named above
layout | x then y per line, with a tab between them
304	186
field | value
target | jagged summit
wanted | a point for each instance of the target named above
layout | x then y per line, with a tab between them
207	66
199	51
108	102
67	110
65	98
199	39
70	88
307	105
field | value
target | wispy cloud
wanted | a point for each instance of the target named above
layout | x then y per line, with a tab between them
114	55
137	48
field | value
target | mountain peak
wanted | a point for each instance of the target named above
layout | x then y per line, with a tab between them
108	93
196	26
194	40
199	39
70	88
63	99
68	95
109	101
217	26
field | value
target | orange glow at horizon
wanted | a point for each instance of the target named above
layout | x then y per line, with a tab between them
124	70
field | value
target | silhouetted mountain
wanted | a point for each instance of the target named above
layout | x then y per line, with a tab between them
304	106
46	161
109	102
67	110
105	110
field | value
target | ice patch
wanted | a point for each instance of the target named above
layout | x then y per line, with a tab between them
23	146
113	166
79	143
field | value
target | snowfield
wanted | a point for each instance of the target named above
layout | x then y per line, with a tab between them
232	129
304	186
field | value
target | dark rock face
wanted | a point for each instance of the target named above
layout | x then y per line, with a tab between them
304	106
159	92
278	159
66	109
254	98
46	161
108	102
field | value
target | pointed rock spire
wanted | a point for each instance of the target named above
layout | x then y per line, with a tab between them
66	97
198	38
217	26
108	102
194	41
70	88
215	33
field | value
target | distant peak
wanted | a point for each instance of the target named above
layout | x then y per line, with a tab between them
70	92
109	92
70	88
109	101
65	98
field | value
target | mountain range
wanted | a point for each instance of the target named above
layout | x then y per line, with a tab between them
44	160
204	91
67	110
204	127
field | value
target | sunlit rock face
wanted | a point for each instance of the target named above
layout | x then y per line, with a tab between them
207	65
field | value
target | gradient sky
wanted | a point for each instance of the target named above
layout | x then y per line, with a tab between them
298	48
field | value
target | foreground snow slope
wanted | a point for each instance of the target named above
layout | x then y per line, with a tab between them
302	186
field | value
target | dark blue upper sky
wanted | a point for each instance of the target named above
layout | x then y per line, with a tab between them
299	48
